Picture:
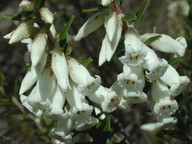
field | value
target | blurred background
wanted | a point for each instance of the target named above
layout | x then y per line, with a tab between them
18	126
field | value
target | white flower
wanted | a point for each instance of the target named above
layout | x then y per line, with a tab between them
162	122
27	83
45	87
92	24
156	67
113	25
167	44
22	31
26	5
134	97
163	106
60	68
38	48
85	123
8	36
165	121
81	76
134	51
106	2
57	102
62	130
46	15
181	6
176	82
105	97
124	105
112	37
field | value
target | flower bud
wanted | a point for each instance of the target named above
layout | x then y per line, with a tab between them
26	5
46	15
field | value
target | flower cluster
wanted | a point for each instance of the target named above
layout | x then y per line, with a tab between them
62	89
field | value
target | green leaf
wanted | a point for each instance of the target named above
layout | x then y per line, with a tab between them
129	17
63	34
13	16
175	60
152	39
86	62
142	9
107	127
93	9
184	100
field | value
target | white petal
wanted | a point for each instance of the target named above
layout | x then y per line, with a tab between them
38	48
103	52
62	130
156	67
111	23
124	105
60	68
134	97
8	36
167	44
78	73
44	89
57	103
23	31
26	5
159	90
165	107
28	82
148	127
114	42
106	2
46	15
92	24
36	70
90	86
177	83
85	123
165	121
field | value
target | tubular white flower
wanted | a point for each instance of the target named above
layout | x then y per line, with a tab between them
129	81
165	121
36	70
115	38
24	101
92	24
57	102
105	97
134	97
156	67
124	105
62	130
103	52
79	106
163	104
26	5
106	2
38	48
167	44
46	15
85	123
8	36
148	127
111	23
176	82
45	87
28	82
81	76
60	68
53	31
23	31
134	51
